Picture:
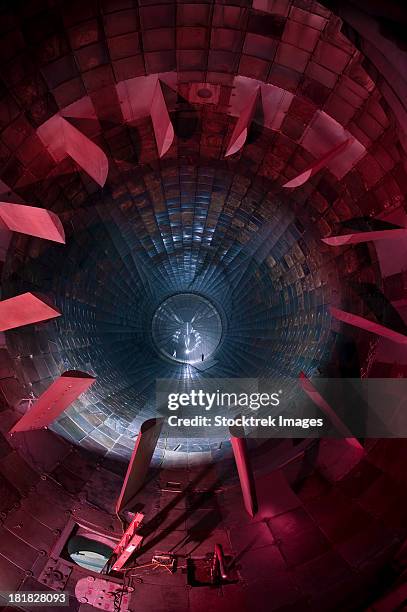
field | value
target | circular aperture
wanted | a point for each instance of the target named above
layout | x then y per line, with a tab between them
187	328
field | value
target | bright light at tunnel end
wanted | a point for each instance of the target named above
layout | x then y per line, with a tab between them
187	328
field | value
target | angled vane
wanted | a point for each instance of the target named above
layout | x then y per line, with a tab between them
307	386
25	309
370	326
239	134
358	237
32	221
59	396
317	165
163	129
140	461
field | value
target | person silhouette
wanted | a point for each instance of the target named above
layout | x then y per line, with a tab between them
203	356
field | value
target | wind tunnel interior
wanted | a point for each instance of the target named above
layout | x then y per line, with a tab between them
217	169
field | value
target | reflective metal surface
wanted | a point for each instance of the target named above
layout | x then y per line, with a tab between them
259	267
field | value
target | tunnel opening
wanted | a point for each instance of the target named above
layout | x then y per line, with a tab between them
187	328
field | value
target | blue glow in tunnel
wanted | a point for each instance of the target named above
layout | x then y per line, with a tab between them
234	278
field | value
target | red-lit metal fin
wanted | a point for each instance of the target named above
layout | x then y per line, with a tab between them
319	401
239	134
55	400
358	237
246	477
317	165
139	462
32	221
85	153
366	324
163	130
25	309
61	139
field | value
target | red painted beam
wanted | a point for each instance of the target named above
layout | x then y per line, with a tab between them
319	401
62	392
239	134
32	221
139	462
163	130
318	165
246	477
25	309
366	324
128	544
358	237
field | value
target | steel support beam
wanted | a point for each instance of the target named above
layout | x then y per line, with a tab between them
128	544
